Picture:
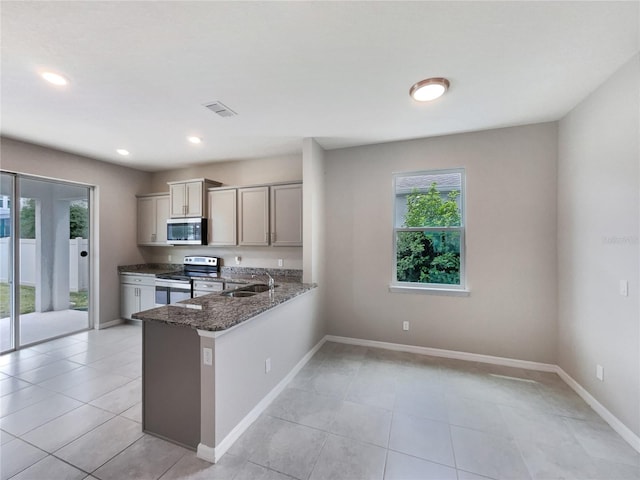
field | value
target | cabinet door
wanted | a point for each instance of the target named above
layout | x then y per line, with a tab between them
146	297
286	215
129	300
146	220
222	217
177	194
162	214
194	199
253	220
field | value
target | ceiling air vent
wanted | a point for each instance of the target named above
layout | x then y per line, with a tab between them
221	109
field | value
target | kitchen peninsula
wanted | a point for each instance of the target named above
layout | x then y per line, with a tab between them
212	363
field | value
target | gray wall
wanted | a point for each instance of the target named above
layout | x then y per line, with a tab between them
245	172
115	215
511	244
598	223
284	335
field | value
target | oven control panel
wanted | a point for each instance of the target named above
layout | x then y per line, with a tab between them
197	260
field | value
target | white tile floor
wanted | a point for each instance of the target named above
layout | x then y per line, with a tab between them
38	326
70	408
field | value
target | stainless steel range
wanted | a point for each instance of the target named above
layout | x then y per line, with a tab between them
177	286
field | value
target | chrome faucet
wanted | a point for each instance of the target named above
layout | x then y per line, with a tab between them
272	282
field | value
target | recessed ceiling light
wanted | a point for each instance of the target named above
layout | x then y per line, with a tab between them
194	139
429	89
54	78
123	152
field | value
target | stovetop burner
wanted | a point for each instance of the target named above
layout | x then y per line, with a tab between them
186	275
194	267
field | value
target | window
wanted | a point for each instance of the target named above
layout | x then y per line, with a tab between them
429	232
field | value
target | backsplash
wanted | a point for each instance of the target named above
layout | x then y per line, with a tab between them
146	266
249	257
292	274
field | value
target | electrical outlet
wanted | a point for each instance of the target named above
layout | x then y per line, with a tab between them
267	365
600	372
238	259
280	262
207	356
405	326
624	288
169	257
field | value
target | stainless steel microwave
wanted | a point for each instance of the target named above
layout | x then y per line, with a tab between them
187	231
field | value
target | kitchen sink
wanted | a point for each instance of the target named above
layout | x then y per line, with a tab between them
238	293
248	291
257	288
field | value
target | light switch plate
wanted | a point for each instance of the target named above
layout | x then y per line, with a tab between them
600	372
207	356
624	288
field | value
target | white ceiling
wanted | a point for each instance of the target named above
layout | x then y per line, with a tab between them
140	72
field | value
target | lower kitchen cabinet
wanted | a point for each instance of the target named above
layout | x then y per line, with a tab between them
137	293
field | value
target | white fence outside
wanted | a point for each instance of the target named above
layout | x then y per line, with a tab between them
78	266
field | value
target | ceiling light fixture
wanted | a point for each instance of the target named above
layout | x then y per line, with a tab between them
429	89
122	152
194	139
54	78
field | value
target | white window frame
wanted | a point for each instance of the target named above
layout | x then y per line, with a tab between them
431	288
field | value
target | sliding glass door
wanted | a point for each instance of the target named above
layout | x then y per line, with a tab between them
48	253
7	317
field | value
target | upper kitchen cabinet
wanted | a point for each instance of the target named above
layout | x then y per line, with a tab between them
286	215
188	197
153	212
253	216
223	217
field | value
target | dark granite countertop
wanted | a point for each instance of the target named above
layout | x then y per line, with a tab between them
226	274
216	312
149	268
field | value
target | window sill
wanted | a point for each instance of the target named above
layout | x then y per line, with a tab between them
448	292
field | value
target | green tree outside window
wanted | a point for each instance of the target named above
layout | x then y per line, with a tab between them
430	256
78	219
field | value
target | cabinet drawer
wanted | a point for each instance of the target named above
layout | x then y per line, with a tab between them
138	279
208	286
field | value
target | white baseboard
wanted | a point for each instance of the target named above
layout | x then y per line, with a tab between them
437	352
207	453
606	415
112	323
214	454
620	428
